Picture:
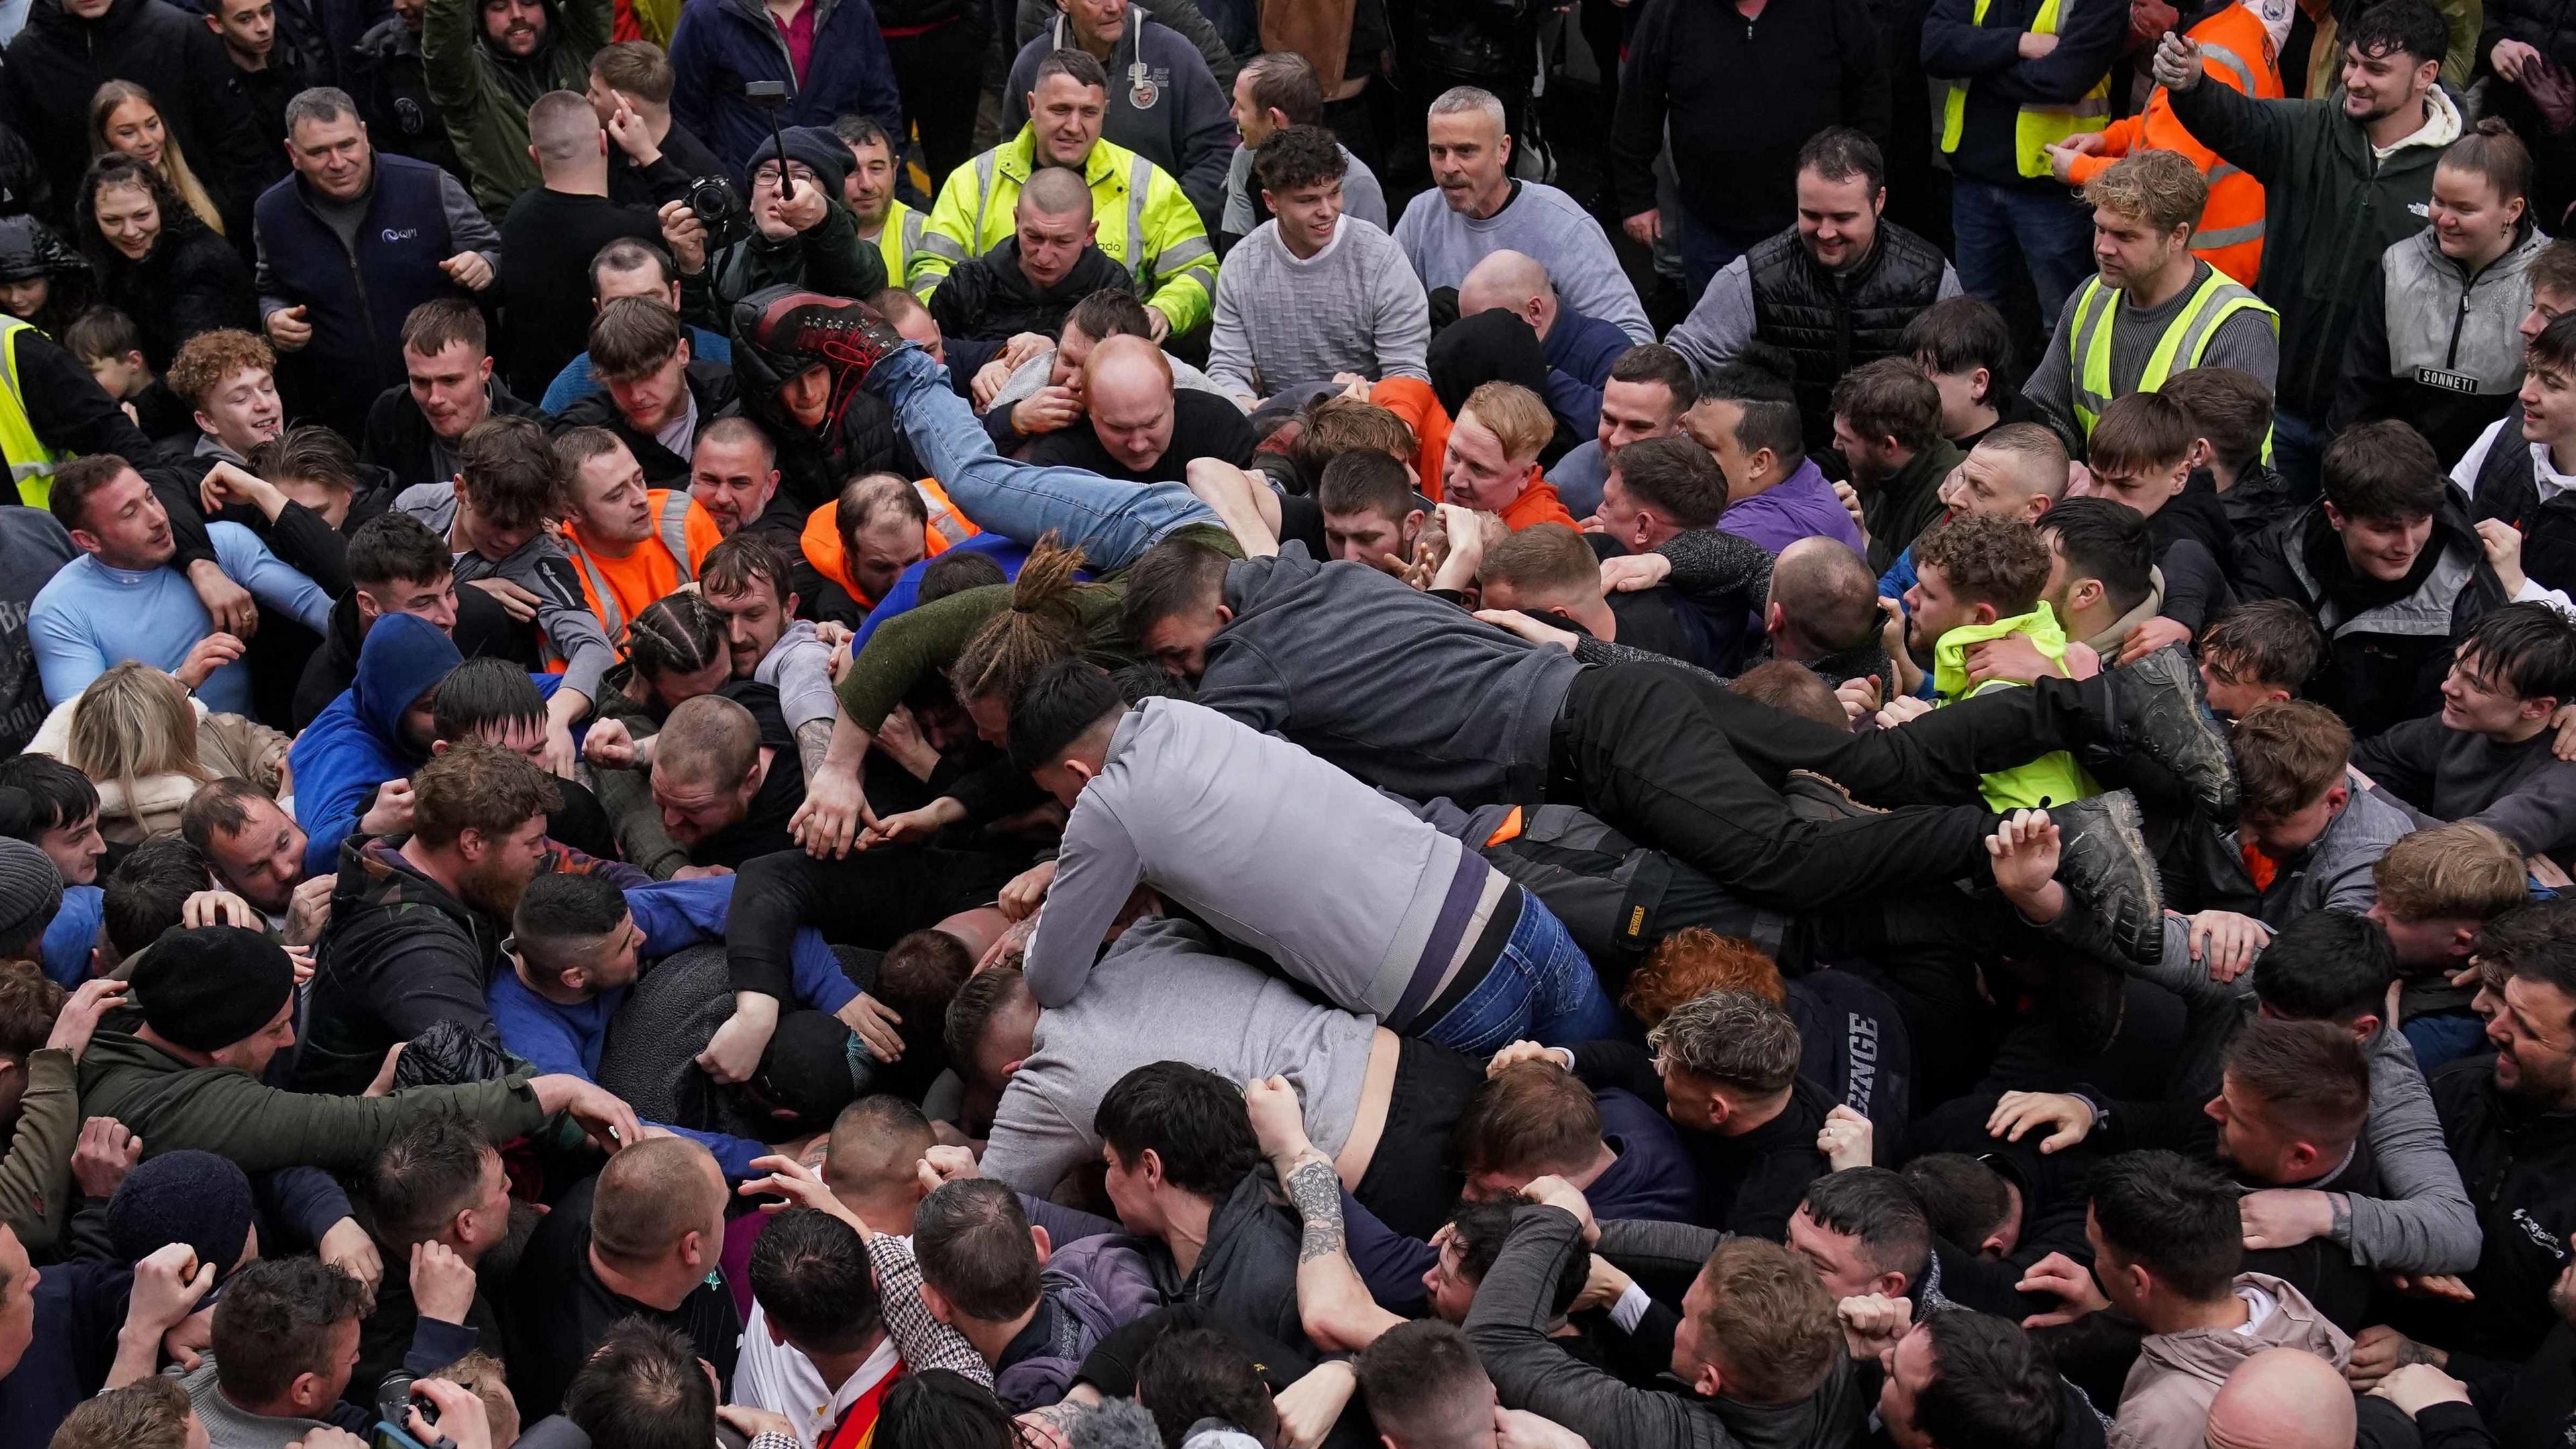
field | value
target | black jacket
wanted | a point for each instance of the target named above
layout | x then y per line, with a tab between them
812	465
53	67
24	187
192	282
1741	99
2506	488
389	85
399	441
483	630
400	954
1749	1184
547	241
2387	645
2519	1166
711	383
988	296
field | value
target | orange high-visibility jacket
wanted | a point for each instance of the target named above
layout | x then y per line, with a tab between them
617	589
2236	51
821	540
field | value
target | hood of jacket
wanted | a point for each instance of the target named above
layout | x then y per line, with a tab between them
402	659
1082	1319
2108	640
2211	1354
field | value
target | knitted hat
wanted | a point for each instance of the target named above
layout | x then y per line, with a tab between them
206	988
185	1196
31	890
812	147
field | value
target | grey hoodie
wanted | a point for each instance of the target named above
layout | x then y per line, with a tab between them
2165	1403
1251	833
1410	693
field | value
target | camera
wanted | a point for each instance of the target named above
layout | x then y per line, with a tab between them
393	1397
720	209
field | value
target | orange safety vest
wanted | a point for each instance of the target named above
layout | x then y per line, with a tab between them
821	540
2236	51
618	589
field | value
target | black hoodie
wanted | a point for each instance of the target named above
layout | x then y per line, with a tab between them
989	296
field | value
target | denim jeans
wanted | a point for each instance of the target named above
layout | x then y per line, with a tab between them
1705	253
2298	453
2043	226
1113	522
1541	987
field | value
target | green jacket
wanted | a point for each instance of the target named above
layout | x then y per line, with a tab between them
171	1105
2330	208
484	96
1147	224
2052	777
36	1176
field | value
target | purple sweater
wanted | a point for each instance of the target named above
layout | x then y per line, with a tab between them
1801	505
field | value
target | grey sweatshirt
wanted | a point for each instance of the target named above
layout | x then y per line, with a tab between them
2425	1224
1159	995
1282	321
1345	889
1539	222
2522	790
539	566
2250	340
1408	692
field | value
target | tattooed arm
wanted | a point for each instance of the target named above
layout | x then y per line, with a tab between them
1333	1305
813	741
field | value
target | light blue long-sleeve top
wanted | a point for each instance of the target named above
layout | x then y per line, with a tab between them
672	914
92	617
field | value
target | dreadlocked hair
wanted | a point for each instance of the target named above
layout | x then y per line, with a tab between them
675	634
1037	630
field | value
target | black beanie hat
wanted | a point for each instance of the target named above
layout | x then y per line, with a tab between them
206	988
185	1196
812	147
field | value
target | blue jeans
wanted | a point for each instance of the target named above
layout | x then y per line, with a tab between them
1112	522
1540	987
2044	227
1706	253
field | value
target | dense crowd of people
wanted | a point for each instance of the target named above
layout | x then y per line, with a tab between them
961	725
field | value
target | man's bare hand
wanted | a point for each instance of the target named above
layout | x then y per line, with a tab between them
2035	46
609	745
229	482
2014	657
79	1016
468	270
873	1023
2154	634
515	601
834	812
391	814
1023	894
2501	542
1646	228
2227	943
2070	1281
632	134
220	908
1873	1322
308	909
734	1052
102	1157
347	1247
1554	1191
206	656
442	1282
685	235
287	329
2068	1117
1530	628
1630	572
1278	1120
1845	1139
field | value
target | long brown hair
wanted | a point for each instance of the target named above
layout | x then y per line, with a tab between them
174	161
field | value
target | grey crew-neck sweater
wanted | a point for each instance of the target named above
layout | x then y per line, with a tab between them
1284	320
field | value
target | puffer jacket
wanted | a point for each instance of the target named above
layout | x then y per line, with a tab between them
484	95
2435	345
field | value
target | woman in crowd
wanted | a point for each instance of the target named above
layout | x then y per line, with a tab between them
156	260
123	117
148	745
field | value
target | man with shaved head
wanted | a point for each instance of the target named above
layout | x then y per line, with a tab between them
1312	294
1137	428
2282	1398
2017	470
1031	279
1823	611
549	238
714	783
642	1238
1579	349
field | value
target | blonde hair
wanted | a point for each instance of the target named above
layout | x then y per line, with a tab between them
1517	417
134	721
2161	188
174	161
2455	870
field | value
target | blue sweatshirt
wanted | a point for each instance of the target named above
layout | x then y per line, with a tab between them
91	617
673	915
356	744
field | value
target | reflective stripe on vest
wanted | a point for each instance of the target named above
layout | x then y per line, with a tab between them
31	463
2233	64
1140	175
947	526
985	167
2035	126
675	538
2097	310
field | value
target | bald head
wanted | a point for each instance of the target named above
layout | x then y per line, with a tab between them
1513	281
563	130
1125	368
707	740
651	1196
877	1144
1056	191
2282	1398
1825	597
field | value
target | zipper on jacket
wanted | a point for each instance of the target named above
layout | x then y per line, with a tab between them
769	27
357	277
2468	285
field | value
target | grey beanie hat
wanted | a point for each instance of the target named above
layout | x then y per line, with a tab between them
31	890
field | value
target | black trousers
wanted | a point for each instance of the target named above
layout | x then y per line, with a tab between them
936	72
1681	764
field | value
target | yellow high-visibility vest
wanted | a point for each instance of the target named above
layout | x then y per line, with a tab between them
31	463
2038	125
2186	337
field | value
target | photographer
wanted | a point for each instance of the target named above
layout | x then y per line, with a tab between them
802	237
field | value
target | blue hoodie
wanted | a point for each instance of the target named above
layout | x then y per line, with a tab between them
356	744
672	914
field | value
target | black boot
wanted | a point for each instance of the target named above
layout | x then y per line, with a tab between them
2156	709
2104	864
